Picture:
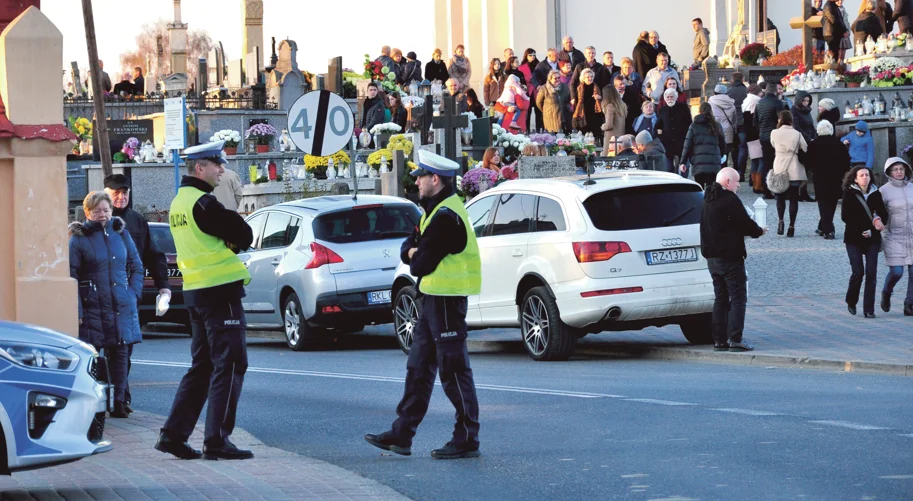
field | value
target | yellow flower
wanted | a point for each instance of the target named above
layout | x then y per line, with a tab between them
339	158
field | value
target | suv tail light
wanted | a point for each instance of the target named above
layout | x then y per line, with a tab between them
321	256
588	252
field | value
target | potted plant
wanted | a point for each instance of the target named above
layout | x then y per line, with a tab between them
318	165
382	133
262	135
82	127
231	138
127	152
855	78
752	52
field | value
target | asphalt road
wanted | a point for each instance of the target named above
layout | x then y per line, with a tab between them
590	428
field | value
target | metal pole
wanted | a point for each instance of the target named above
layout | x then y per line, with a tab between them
98	96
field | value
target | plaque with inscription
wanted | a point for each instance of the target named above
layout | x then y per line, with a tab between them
121	130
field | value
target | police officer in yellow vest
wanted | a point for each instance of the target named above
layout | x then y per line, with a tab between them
444	255
207	237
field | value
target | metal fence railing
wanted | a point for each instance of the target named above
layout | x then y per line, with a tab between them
120	108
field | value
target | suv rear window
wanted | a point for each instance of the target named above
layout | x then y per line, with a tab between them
365	224
645	207
161	237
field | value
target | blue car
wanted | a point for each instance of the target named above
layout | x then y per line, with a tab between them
53	398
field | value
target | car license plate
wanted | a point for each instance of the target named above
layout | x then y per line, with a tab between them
379	297
669	256
172	272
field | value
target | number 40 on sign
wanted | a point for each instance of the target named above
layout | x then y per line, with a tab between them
320	123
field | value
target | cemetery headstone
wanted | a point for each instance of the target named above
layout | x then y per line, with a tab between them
390	181
252	67
450	122
481	132
121	130
286	83
235	70
78	88
546	167
334	74
340	189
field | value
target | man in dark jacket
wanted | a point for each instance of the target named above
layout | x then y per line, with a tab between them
412	71
644	54
672	124
724	225
601	79
818	33
765	120
609	68
833	28
631	96
139	82
117	187
865	26
738	91
570	53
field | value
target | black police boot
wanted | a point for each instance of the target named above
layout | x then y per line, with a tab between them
119	410
178	449
908	309
389	442
227	451
456	451
885	302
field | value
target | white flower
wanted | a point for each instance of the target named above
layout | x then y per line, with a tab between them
516	144
505	144
459	183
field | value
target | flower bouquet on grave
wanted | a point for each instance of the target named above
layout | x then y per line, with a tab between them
318	165
400	142
82	127
128	151
387	128
545	139
477	180
374	70
752	52
262	135
855	78
231	138
885	64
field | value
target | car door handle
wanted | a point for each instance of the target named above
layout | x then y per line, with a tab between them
517	253
275	262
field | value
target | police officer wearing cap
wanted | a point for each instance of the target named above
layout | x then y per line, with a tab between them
207	237
154	260
444	255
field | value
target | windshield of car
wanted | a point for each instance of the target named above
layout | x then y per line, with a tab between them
643	207
361	224
161	236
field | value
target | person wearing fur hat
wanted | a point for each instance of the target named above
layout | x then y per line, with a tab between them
829	161
108	270
897	195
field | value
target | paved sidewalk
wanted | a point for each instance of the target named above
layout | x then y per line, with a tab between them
136	471
812	331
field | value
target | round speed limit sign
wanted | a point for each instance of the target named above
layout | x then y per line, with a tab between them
320	123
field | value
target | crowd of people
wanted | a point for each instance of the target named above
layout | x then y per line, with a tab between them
875	18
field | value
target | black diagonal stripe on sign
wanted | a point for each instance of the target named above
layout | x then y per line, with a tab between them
323	107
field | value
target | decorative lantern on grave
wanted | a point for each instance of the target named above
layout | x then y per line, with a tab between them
424	89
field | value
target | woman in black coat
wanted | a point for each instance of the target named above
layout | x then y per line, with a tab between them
830	161
865	216
436	69
672	123
703	147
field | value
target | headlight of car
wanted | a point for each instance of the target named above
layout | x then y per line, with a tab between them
38	356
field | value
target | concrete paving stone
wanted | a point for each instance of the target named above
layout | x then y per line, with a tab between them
46	495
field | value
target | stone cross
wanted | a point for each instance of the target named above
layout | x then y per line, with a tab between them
806	23
451	121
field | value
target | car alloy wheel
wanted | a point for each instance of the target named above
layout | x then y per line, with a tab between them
535	326
292	323
405	317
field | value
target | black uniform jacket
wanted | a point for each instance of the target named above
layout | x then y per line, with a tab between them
214	219
444	235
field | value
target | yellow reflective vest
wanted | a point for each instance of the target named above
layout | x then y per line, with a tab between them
204	260
457	274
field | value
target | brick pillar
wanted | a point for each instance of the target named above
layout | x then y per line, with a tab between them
35	283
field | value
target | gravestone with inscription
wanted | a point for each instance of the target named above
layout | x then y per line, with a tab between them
121	130
546	167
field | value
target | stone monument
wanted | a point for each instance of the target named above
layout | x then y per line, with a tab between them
35	283
177	31
252	39
286	83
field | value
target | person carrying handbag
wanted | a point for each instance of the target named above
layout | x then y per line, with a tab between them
788	172
865	216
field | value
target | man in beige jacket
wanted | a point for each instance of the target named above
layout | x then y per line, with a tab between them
228	192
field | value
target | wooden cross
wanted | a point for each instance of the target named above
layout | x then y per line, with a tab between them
806	23
451	121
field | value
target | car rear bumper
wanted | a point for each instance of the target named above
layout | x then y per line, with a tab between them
680	295
354	307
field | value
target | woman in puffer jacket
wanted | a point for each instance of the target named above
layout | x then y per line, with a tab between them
107	267
897	195
704	146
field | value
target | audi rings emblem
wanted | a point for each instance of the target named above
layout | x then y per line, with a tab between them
671	242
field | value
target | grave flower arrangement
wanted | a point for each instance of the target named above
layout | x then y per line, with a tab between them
573	147
231	138
544	138
262	134
512	143
791	57
890	78
752	52
857	76
82	127
885	64
127	152
387	128
472	182
318	165
800	70
397	142
375	70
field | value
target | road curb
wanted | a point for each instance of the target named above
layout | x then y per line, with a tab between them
707	355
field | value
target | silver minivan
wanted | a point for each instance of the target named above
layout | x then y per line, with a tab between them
325	263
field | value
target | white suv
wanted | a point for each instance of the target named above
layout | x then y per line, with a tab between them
566	257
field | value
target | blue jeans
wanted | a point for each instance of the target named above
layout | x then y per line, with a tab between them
742	155
860	270
895	273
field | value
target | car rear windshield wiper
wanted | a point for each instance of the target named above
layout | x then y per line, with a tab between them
667	222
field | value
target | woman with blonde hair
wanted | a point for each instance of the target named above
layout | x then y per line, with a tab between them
436	69
588	116
107	268
616	111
